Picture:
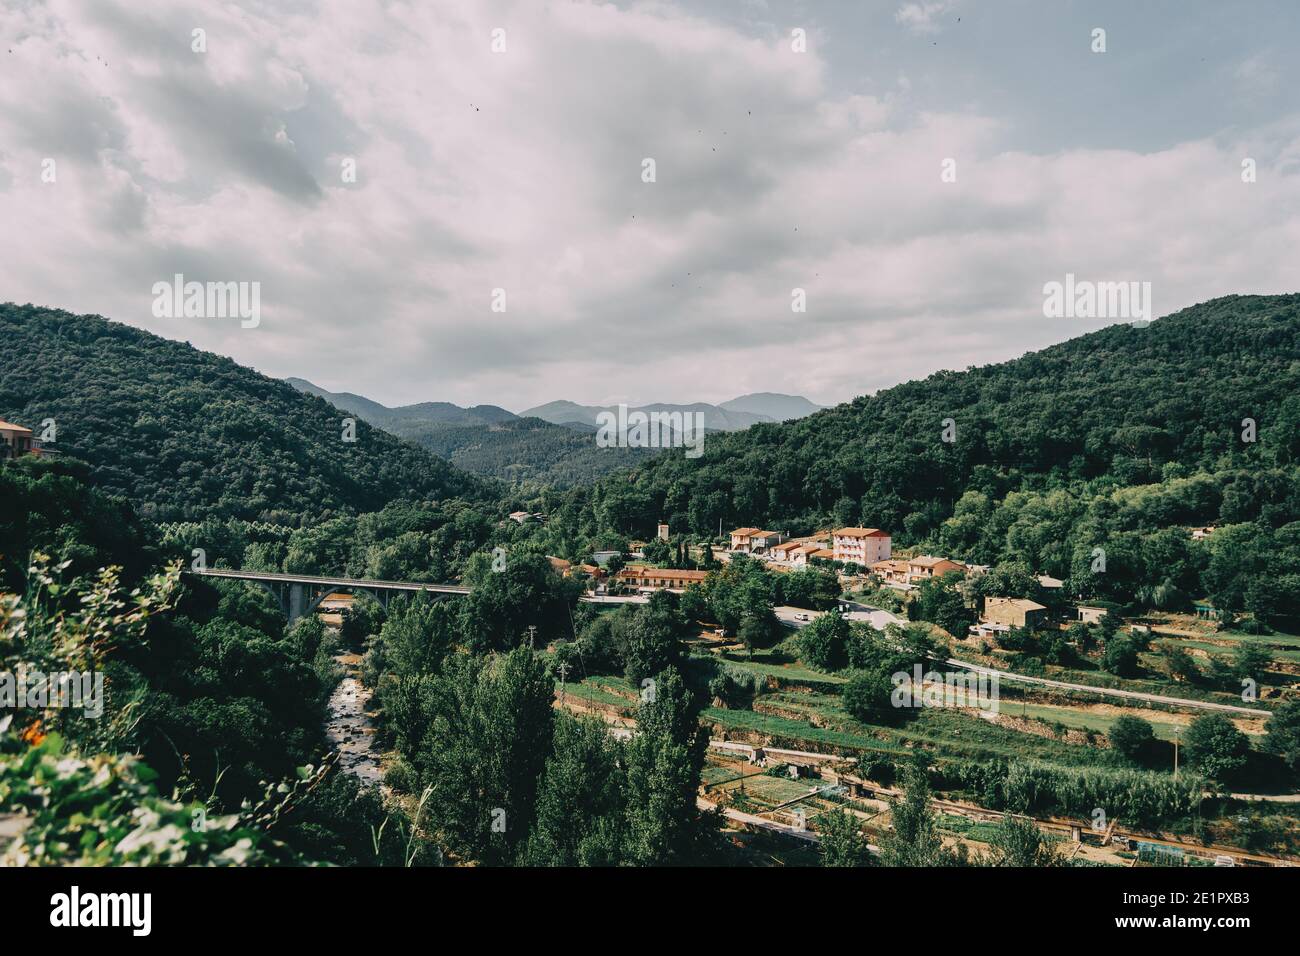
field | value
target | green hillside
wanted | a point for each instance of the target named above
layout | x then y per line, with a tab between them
526	451
1126	403
186	434
487	440
1119	439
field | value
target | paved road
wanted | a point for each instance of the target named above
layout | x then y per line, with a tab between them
1110	691
790	616
880	619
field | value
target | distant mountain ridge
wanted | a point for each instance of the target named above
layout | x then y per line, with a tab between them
441	412
775	405
551	444
734	415
491	441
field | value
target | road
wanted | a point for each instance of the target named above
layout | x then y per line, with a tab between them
1110	691
880	619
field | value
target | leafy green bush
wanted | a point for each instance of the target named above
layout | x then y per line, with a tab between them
103	810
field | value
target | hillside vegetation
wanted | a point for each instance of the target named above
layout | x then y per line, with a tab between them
488	440
1119	439
186	434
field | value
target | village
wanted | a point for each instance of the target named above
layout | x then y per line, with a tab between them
860	558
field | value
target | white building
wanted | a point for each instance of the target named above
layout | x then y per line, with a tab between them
864	546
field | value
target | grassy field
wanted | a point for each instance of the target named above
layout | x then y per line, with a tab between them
763	664
820	719
602	690
1084	720
1290	656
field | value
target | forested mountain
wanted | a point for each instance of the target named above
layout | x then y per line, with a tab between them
525	451
1133	404
441	413
1120	439
488	440
186	434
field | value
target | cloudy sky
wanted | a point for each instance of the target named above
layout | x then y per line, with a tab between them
521	169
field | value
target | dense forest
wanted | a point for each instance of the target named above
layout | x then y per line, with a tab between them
211	708
527	452
1113	443
1127	405
186	434
1120	440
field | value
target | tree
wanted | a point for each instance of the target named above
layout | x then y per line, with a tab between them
1019	842
756	630
743	586
580	802
823	644
485	751
812	588
1249	662
938	601
867	697
1179	664
657	551
417	635
1131	737
693	605
842	842
1216	748
653	638
1119	656
1283	734
496	615
664	759
914	838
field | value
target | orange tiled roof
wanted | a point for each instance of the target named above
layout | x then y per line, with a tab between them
665	574
11	427
860	533
930	561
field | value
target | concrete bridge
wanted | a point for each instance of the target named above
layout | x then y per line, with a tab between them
300	594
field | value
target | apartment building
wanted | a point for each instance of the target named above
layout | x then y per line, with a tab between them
864	546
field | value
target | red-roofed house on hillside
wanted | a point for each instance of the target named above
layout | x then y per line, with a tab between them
15	440
754	540
673	579
928	566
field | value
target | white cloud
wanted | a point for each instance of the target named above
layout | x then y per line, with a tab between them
923	16
522	170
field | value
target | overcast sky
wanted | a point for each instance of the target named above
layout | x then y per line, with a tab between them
522	170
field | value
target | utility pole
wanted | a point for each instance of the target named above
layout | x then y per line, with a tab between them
564	673
532	636
1176	732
